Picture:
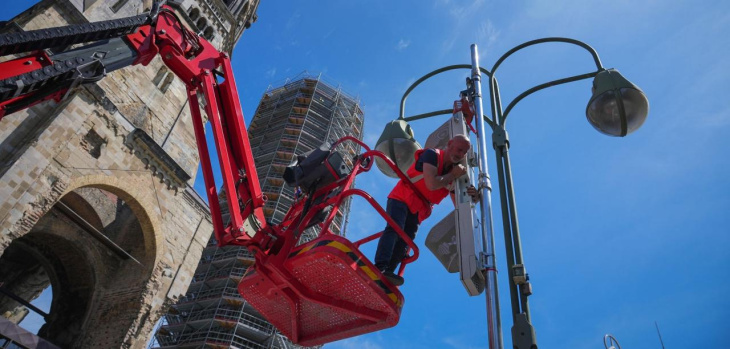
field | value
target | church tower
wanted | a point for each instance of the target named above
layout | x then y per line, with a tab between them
97	210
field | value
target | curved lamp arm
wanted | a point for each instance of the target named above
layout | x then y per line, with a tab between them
544	86
588	48
599	67
422	79
438	112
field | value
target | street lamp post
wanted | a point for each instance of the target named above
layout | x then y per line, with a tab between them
616	108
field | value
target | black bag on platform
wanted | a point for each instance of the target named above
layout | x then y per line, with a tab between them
316	169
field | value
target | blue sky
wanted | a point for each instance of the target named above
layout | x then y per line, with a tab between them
617	233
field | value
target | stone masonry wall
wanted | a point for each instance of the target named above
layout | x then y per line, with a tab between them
52	149
175	226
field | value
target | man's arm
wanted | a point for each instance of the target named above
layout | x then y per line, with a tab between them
472	191
433	181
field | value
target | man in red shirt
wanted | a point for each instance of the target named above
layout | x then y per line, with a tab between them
432	172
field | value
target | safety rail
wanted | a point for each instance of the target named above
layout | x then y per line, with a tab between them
222	313
271	189
371	154
289	137
220	337
227	252
363	163
219	274
246	319
210	293
281	162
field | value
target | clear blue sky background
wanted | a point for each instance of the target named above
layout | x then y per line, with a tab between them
617	232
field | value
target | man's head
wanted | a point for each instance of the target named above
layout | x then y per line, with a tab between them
457	148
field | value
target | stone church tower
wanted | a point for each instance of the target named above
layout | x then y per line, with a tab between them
96	198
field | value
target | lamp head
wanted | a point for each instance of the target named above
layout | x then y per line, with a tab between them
397	143
617	106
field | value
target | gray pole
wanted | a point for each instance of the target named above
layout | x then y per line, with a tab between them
488	259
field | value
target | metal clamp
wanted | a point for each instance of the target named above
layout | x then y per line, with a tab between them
500	138
484	261
484	182
470	91
519	275
526	289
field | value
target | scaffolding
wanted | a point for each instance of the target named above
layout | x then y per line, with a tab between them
290	120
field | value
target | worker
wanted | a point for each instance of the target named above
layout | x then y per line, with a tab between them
432	174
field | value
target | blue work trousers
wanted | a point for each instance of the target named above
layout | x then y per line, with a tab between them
391	248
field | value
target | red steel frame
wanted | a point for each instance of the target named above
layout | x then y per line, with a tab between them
293	221
34	61
274	263
207	72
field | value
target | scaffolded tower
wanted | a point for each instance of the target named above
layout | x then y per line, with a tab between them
290	120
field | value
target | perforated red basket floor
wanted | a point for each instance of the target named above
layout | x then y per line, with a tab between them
335	293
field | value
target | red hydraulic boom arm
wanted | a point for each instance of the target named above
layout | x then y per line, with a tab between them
205	71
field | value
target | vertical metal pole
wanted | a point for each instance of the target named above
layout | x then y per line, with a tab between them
499	139
494	323
516	240
523	333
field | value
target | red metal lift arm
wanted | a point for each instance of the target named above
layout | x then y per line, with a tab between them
207	75
207	72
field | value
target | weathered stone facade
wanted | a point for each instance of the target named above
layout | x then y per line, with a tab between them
96	197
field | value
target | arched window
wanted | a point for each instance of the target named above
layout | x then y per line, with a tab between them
160	76
193	13
201	24
163	79
208	33
167	82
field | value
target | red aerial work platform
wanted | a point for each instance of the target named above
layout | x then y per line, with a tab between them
326	289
